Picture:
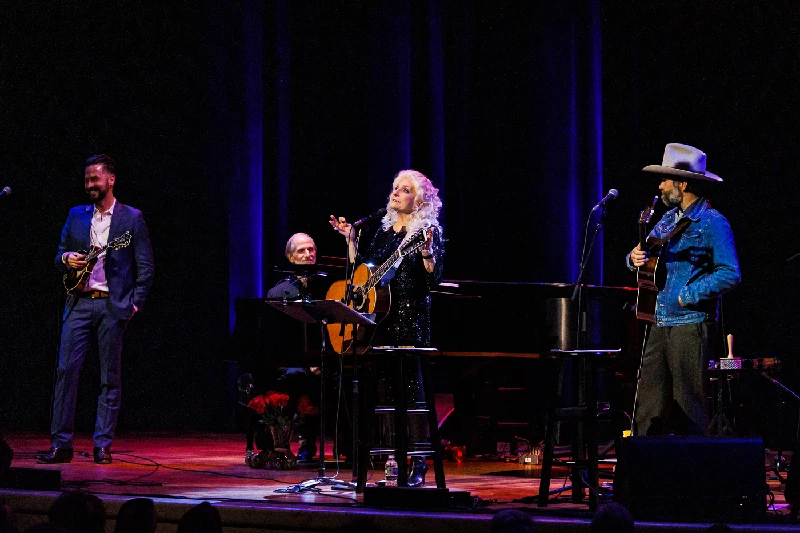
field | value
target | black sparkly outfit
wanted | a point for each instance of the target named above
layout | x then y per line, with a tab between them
407	324
409	320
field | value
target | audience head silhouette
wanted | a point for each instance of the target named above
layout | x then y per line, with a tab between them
612	518
137	516
202	518
512	521
79	512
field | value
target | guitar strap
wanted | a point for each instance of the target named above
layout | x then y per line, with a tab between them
679	227
677	230
393	270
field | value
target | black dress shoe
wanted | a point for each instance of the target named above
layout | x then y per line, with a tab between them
102	456
55	455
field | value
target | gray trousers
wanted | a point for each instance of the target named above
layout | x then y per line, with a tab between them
89	325
673	368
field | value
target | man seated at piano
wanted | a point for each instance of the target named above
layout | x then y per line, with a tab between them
300	250
297	382
294	381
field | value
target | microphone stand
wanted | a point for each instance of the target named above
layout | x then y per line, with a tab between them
580	341
355	422
790	392
577	293
351	265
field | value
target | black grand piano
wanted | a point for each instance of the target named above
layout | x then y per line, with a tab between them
489	336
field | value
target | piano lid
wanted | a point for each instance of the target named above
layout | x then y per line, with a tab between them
526	317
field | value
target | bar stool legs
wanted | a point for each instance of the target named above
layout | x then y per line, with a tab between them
584	438
401	416
433	422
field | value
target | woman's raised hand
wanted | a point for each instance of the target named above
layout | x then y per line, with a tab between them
341	225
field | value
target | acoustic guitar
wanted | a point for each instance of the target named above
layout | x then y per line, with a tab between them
75	280
368	296
649	278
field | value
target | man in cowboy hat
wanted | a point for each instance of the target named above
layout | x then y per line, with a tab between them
701	265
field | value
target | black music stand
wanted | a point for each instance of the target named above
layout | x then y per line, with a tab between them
720	425
321	312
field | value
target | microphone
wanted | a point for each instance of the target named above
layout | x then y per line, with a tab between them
6	191
612	193
377	214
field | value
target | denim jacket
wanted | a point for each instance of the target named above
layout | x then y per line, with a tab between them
701	265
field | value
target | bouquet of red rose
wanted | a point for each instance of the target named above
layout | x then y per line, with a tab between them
272	408
275	413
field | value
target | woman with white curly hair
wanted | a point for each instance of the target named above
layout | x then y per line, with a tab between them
413	205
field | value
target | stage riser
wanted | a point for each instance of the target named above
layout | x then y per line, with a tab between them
254	517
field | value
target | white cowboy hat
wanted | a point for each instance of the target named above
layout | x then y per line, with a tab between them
683	161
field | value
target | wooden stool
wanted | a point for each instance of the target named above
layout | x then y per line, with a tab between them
584	439
401	412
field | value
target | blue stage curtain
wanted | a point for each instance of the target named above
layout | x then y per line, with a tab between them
498	103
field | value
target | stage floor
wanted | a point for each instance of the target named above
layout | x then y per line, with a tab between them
211	466
206	466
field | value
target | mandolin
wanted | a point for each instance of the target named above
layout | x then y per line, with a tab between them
75	280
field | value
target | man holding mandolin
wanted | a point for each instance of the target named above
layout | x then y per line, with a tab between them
106	284
698	255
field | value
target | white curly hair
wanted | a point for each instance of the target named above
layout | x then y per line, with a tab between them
427	203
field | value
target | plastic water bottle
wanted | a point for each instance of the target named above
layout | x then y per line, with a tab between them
390	471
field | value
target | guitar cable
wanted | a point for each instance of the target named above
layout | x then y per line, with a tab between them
639	376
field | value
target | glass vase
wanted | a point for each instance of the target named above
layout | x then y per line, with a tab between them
282	458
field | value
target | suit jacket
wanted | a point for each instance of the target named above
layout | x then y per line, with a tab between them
129	270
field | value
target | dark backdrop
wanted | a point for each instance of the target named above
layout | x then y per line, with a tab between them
238	124
719	76
131	79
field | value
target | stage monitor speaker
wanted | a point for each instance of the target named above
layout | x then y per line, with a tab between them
691	478
5	454
407	498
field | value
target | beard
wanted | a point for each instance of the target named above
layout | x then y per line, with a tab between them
672	198
96	195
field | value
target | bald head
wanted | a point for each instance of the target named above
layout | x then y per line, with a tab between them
301	250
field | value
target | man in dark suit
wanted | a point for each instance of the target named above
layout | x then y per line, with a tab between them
98	312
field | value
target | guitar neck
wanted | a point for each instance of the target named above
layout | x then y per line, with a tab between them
407	247
642	236
381	271
644	219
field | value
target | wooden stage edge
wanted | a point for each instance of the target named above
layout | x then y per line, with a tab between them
181	470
